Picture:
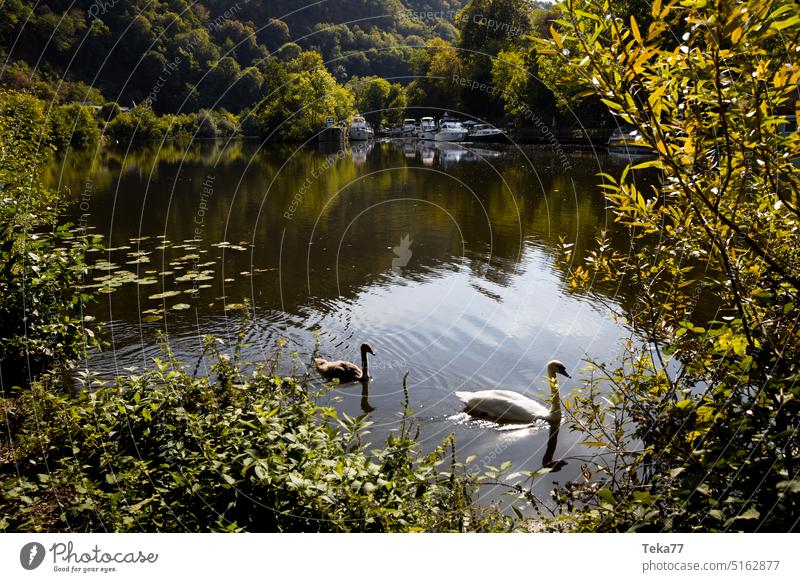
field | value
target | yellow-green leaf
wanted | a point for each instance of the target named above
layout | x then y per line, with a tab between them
635	29
655	8
556	37
784	24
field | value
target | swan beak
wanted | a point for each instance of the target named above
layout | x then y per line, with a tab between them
566	374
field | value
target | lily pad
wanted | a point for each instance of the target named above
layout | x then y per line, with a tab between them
164	295
181	306
105	266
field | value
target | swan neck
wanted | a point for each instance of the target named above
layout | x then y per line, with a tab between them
364	362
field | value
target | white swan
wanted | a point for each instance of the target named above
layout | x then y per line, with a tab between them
507	406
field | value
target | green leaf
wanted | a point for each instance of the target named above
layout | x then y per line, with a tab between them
751	513
606	496
784	24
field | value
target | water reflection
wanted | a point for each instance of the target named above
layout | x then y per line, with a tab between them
552	442
445	255
360	150
445	155
366	407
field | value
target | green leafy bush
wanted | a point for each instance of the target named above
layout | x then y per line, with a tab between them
41	263
167	451
142	123
74	124
701	423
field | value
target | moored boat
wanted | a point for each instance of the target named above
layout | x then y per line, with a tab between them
360	129
409	128
451	130
332	132
427	128
485	133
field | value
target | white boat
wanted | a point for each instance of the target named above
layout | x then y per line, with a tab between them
628	141
409	128
485	133
360	129
451	130
427	128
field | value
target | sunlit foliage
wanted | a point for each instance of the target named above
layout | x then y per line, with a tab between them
702	420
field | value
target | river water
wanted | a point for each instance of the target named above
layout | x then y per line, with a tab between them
444	257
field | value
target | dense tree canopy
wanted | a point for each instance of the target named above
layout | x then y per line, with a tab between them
206	54
177	57
305	95
379	100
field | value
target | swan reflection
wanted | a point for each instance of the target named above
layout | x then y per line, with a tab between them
366	407
552	443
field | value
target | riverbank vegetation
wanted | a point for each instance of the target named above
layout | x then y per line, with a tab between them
702	420
167	450
43	261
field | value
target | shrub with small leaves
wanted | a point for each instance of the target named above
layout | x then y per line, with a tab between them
164	450
700	418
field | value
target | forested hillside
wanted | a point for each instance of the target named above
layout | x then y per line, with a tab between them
279	68
208	54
